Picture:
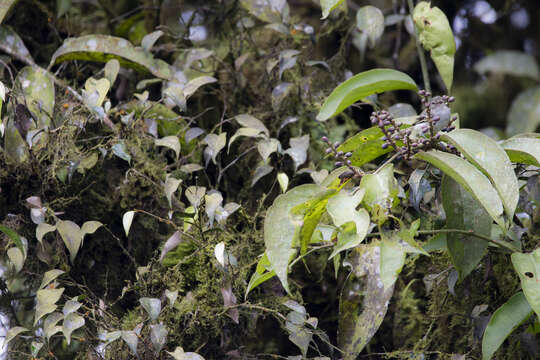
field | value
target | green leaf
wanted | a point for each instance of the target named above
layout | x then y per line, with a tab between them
112	67
49	276
272	11
127	219
329	5
72	322
95	91
362	85
260	275
42	230
464	212
528	268
509	62
503	322
523	114
152	307
392	259
46	300
13	236
16	257
523	150
483	152
179	354
171	142
38	91
435	34
469	177
13	45
170	187
381	190
12	333
102	48
15	147
342	210
280	228
62	7
5	6
119	149
363	301
370	21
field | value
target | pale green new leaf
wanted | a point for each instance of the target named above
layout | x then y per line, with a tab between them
43	229
16	257
12	333
152	307
46	300
131	339
50	276
381	190
435	34
170	187
490	158
95	91
370	21
112	67
49	324
362	85
102	48
465	213
90	227
524	150
392	259
280	228
329	5
179	354
503	322
528	268
127	219
260	275
468	176
172	142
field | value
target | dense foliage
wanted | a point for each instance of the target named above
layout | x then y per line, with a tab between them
252	179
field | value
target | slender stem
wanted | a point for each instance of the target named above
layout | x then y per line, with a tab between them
421	55
500	243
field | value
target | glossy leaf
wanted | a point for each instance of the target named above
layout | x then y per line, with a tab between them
381	190
528	268
43	229
435	34
119	149
149	40
102	48
490	158
392	258
261	274
509	62
15	147
464	212
523	115
363	301
503	322
469	177
362	85
95	91
16	257
38	91
523	150
13	236
280	228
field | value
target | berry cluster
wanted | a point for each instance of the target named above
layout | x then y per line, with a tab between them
342	158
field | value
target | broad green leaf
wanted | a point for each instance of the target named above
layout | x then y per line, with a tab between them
523	115
38	92
12	333
90	227
15	148
102	48
71	323
13	236
523	150
381	190
193	85
50	276
249	121
261	274
271	11
119	149
71	235
329	5
435	34
5	6
267	148
46	300
490	158
71	306
280	228
171	142
365	146
215	144
509	62
16	256
127	219
149	40
363	301
392	258
468	176
342	210
298	150
13	45
49	324
195	194
370	21
152	307
528	268
248	132
503	322
464	212
362	85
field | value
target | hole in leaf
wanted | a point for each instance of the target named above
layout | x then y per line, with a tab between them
529	274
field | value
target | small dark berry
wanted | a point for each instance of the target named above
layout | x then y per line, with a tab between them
328	151
340	153
325	139
391	128
384	138
436	118
336	144
339	163
451	99
348	162
348	155
385	145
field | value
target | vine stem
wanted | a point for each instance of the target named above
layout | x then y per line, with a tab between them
500	243
421	55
